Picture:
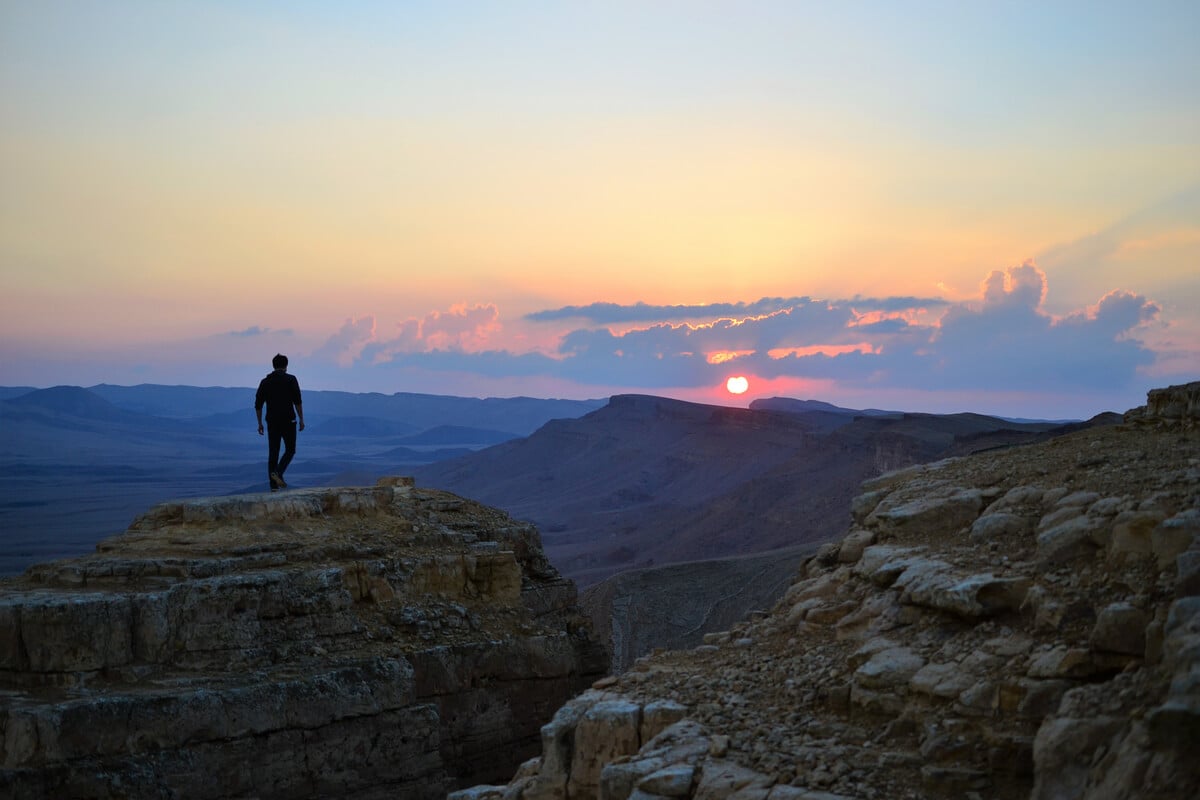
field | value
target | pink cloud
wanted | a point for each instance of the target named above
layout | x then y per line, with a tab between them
344	346
461	328
1024	286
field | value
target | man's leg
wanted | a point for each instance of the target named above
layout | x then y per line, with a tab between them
288	432
274	434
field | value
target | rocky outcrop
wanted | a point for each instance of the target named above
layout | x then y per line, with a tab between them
1018	624
378	642
1171	406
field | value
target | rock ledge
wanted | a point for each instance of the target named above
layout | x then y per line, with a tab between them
381	642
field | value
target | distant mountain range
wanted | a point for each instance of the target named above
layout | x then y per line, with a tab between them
633	482
415	412
77	464
647	481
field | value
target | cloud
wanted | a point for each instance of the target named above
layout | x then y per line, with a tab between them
613	313
255	330
894	304
1023	286
1010	341
460	328
1004	340
1119	310
344	347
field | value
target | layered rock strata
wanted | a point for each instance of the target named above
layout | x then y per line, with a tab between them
380	642
1023	623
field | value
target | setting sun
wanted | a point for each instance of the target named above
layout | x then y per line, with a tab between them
737	384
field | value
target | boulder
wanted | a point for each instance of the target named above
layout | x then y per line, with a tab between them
1174	536
1121	628
946	512
854	544
607	730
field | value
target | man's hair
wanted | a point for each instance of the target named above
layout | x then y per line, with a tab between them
279	361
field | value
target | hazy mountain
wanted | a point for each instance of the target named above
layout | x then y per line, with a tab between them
519	415
34	424
15	391
359	426
69	401
408	455
458	434
646	480
794	406
78	464
176	401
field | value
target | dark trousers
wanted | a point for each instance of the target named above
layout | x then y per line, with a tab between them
277	432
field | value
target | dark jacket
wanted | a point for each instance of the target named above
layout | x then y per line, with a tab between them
281	394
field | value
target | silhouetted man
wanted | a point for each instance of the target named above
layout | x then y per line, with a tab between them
281	394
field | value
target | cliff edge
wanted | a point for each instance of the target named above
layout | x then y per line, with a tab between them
377	642
1023	623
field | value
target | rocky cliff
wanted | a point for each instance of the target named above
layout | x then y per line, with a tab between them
1020	623
379	642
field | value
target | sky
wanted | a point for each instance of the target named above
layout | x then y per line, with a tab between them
929	206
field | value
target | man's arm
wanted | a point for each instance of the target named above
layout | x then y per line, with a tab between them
297	401
258	404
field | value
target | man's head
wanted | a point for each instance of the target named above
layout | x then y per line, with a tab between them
279	361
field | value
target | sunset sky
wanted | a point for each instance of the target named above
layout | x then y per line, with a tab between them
937	206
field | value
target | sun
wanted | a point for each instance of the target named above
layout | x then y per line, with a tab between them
737	384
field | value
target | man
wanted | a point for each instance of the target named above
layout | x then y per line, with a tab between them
281	394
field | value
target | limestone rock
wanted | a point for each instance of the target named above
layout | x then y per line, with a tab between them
1131	534
946	511
889	668
607	730
309	642
1171	406
1068	540
853	545
1121	628
1175	535
999	524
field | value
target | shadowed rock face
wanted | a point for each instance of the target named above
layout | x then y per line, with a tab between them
387	641
1022	624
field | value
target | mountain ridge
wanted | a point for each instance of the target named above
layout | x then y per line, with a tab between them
647	480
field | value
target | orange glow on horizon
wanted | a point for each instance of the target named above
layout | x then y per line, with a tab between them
723	356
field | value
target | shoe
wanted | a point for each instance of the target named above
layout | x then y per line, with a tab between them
277	481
